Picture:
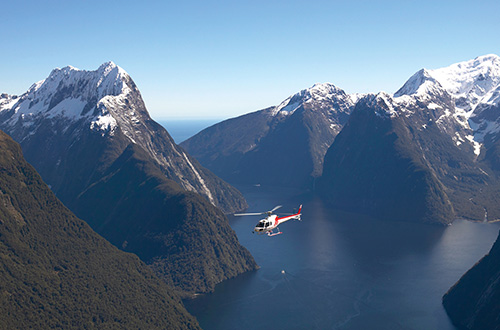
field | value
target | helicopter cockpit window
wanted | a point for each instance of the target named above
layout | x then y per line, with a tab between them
260	224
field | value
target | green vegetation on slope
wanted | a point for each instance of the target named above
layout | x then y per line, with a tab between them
188	241
55	272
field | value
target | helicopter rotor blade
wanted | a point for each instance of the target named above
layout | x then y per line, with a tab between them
277	207
259	213
243	214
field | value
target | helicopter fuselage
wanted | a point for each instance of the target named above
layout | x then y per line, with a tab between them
268	224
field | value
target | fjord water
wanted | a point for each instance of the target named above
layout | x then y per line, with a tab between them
336	270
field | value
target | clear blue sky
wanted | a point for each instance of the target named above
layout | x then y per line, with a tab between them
219	59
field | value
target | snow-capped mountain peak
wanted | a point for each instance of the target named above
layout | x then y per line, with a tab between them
106	67
319	92
106	107
420	83
466	96
470	82
473	80
73	94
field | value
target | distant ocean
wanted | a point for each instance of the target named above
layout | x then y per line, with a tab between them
183	129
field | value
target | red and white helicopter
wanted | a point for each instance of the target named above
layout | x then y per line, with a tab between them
272	221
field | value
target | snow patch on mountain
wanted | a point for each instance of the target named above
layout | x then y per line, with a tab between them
355	97
7	101
318	93
484	128
383	104
477	145
207	191
462	117
104	123
475	80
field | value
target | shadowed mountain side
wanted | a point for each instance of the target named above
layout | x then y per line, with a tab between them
283	145
396	158
221	147
258	148
187	240
474	301
282	157
56	272
134	207
373	167
492	156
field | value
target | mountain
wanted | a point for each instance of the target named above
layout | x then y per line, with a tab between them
375	166
475	89
56	272
283	144
473	302
90	137
99	105
424	154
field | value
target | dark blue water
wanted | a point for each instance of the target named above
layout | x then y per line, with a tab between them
183	129
336	270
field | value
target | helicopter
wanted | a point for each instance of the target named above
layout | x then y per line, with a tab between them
272	221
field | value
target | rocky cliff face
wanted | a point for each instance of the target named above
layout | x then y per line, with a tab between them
473	302
282	145
56	272
92	140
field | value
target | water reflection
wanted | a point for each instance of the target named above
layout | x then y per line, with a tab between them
336	270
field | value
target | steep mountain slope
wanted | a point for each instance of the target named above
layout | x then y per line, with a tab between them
375	166
428	127
282	145
473	302
55	272
185	239
92	140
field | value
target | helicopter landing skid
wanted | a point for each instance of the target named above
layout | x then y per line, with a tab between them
270	234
